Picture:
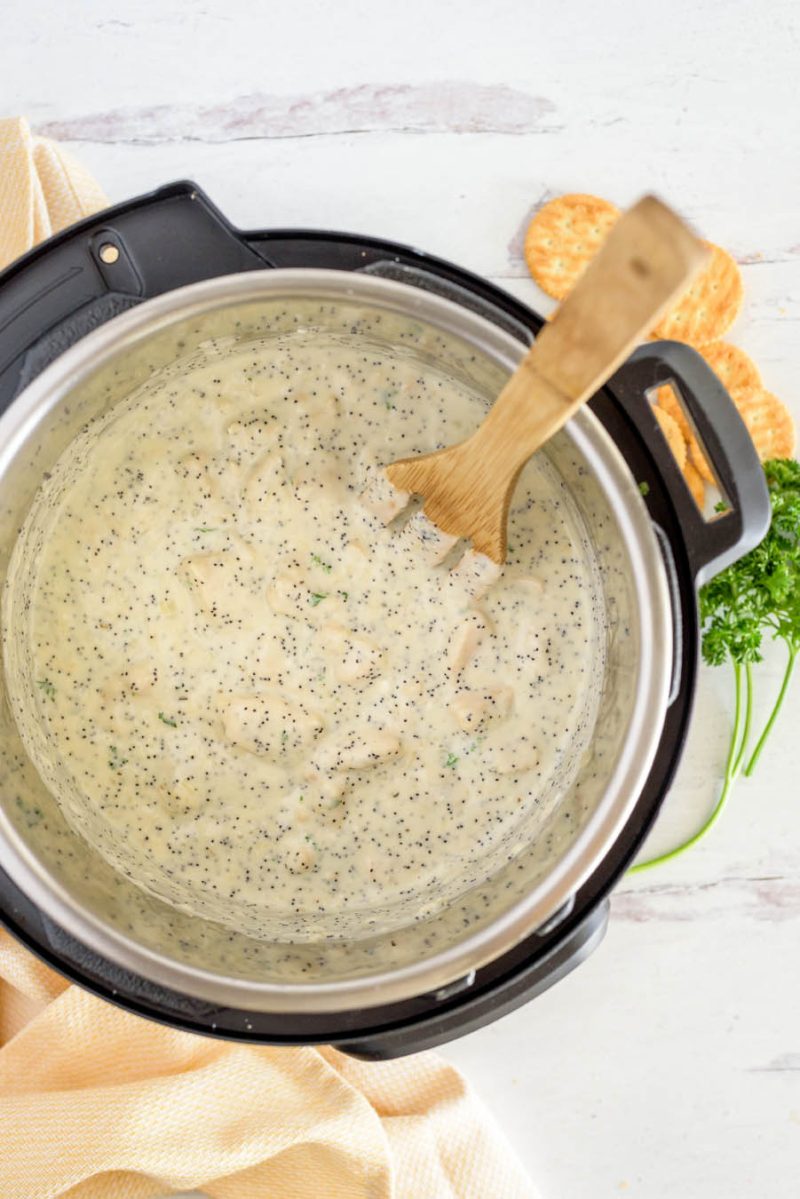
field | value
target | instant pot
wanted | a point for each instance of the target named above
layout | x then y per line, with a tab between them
83	319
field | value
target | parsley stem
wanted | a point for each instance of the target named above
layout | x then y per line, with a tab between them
748	721
731	771
730	779
733	748
773	716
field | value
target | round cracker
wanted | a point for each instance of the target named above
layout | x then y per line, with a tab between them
563	237
770	424
668	402
699	460
735	370
694	481
710	306
740	377
674	438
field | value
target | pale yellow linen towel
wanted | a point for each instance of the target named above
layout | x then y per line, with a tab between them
42	189
96	1103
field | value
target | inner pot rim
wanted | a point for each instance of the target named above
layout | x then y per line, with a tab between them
648	578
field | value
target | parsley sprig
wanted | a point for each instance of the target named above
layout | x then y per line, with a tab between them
757	596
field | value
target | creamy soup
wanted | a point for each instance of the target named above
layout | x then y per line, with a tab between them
260	701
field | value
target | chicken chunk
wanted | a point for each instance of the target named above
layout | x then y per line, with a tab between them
381	498
354	658
318	797
474	574
322	405
467	639
425	540
125	697
289	596
318	484
219	585
300	851
529	585
472	709
514	757
357	750
261	483
213	481
194	469
269	725
138	679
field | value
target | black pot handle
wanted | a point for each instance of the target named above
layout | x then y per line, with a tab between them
98	268
712	542
479	1004
92	271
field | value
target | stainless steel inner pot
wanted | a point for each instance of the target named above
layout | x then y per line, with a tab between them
107	911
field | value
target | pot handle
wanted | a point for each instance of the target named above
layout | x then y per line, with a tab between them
715	541
443	1018
92	271
98	268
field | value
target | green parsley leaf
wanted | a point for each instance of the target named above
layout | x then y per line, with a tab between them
173	724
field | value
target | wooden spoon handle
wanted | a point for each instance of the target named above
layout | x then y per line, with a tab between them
648	259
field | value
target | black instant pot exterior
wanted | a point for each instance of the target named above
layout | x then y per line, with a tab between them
83	277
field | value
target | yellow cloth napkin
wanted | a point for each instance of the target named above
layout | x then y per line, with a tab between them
42	189
96	1103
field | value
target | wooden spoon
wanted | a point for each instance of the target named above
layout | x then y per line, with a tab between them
649	258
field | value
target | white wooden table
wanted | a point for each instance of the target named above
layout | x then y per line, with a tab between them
668	1066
